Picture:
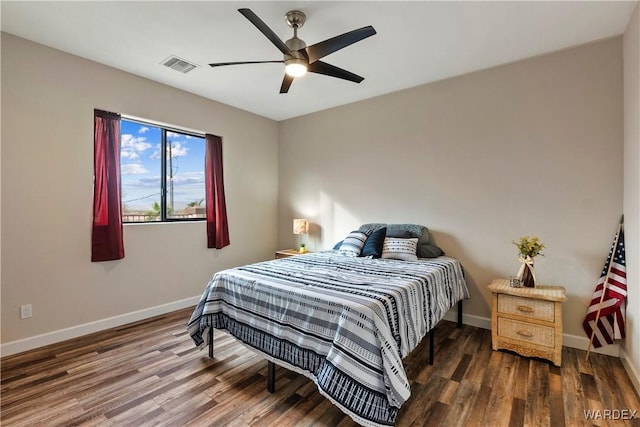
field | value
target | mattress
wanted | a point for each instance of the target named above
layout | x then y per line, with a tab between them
345	322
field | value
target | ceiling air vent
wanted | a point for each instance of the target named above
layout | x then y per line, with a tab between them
178	64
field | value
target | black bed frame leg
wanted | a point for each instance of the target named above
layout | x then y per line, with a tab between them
459	314
431	345
210	343
271	376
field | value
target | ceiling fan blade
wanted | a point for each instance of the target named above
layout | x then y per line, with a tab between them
320	67
220	64
264	29
286	83
322	49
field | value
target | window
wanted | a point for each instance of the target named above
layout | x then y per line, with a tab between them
162	173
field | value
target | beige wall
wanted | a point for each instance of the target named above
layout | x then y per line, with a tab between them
48	99
631	54
532	147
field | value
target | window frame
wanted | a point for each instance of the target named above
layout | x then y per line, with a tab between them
163	168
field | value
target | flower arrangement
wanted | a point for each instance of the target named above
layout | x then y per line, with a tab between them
529	247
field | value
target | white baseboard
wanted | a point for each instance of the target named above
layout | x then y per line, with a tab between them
632	371
573	341
30	343
582	343
469	319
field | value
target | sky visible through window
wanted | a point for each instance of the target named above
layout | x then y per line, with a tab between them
140	167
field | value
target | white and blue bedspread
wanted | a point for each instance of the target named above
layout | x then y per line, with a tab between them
344	322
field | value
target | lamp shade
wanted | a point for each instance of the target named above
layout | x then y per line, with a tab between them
300	226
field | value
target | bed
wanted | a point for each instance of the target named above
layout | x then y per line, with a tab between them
344	321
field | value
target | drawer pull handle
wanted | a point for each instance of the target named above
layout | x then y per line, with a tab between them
525	309
524	333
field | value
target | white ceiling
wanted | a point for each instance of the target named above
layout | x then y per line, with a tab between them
417	42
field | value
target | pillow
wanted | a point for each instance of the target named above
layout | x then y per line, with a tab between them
373	245
402	249
401	230
426	247
353	243
429	250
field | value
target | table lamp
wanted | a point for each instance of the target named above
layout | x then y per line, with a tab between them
300	227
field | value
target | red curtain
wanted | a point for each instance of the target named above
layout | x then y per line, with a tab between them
106	238
217	225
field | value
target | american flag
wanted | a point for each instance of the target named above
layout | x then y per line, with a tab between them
610	323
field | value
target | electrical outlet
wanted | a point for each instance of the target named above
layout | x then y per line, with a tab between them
26	311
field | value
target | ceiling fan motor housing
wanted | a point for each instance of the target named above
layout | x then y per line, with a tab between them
297	47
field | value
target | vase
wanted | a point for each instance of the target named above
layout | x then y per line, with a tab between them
528	280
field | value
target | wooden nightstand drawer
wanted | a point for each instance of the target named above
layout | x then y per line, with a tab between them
527	320
535	334
526	307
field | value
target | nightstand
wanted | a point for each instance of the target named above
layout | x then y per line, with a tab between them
285	253
527	320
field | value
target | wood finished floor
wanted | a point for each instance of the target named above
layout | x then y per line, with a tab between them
150	374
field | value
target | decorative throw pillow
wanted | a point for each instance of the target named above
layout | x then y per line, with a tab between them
429	250
353	243
402	249
373	245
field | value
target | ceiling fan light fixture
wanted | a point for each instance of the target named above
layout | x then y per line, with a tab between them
299	59
296	67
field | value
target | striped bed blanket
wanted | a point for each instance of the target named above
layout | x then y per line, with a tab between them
345	322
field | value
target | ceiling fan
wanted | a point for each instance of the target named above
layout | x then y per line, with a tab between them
300	58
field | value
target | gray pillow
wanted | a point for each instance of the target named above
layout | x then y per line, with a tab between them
401	230
426	248
429	250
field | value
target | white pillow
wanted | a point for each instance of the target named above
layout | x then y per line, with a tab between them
402	249
352	244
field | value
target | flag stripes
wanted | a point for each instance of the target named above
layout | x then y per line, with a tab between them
605	317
